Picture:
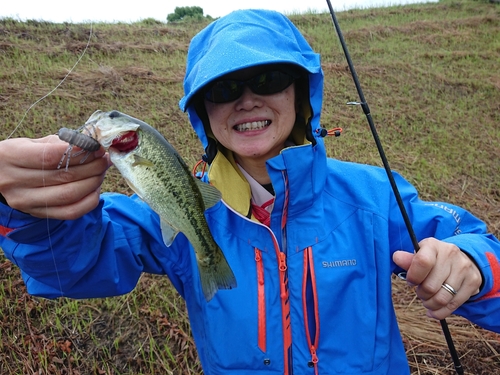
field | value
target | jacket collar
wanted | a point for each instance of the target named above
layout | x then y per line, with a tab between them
298	173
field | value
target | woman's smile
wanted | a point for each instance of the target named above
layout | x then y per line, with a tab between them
252	126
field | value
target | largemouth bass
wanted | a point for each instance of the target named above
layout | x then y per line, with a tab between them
158	175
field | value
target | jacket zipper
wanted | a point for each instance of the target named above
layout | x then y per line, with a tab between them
310	277
283	276
261	302
283	281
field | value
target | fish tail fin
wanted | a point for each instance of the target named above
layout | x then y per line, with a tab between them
216	276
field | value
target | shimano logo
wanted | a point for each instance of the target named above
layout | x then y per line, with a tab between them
339	263
449	210
452	212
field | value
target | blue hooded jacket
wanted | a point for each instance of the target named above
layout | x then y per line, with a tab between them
314	288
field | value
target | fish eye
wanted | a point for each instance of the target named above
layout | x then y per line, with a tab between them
114	114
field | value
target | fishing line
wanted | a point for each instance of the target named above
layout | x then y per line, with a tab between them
57	86
49	238
366	110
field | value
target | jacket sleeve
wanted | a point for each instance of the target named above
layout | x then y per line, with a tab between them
100	254
453	224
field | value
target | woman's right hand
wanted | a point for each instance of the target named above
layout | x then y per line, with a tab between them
30	181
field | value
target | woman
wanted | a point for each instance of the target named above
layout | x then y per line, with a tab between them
312	241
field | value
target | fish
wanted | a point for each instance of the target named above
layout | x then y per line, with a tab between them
156	172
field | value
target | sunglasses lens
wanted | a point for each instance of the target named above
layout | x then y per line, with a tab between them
224	91
272	82
266	83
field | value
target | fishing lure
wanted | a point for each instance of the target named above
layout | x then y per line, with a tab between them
86	142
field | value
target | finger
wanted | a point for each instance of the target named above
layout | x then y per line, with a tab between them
29	200
34	178
71	211
35	153
447	293
42	153
452	266
444	303
403	259
96	167
463	282
421	266
433	265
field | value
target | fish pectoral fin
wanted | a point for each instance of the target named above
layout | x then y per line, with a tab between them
168	232
139	160
211	196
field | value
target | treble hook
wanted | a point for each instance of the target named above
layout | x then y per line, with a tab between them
364	105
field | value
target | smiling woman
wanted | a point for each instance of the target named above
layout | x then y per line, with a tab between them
253	117
286	209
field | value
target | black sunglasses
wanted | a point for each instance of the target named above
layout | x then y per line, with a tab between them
265	83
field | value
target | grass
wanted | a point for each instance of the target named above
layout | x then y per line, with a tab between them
430	76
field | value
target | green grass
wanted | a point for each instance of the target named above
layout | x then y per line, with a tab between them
429	73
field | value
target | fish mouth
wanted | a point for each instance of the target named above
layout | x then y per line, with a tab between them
253	125
126	142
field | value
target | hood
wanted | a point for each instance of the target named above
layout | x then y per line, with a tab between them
242	39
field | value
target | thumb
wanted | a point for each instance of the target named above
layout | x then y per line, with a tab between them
403	259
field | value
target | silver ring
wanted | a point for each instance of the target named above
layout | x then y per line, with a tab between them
449	289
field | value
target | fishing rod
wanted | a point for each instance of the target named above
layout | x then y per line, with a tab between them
366	110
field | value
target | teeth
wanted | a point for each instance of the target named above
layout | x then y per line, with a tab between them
127	139
255	125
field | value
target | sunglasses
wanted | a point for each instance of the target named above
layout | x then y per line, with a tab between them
265	83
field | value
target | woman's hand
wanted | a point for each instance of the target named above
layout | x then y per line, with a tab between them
444	275
30	181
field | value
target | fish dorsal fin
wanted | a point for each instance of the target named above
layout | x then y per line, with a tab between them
211	196
168	233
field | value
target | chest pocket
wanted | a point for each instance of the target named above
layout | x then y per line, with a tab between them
349	275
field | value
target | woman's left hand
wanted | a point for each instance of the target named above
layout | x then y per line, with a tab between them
444	275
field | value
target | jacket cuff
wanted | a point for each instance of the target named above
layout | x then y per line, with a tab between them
22	227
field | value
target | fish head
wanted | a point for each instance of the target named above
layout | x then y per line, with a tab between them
113	129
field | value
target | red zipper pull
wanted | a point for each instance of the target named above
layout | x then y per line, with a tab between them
282	267
314	358
282	262
258	256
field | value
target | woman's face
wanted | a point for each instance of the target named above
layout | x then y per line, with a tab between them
253	126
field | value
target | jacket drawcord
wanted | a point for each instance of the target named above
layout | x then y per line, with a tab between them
261	213
322	132
195	172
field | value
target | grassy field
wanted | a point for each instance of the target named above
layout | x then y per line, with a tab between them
430	73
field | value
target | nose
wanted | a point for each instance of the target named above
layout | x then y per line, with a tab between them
248	100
